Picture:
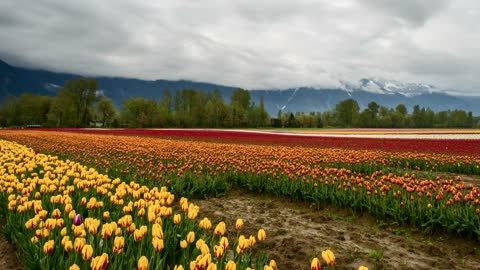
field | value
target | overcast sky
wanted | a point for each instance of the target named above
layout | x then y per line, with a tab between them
252	44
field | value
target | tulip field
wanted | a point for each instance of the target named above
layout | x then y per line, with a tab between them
132	199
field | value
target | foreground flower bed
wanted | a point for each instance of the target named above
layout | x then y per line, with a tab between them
194	168
63	215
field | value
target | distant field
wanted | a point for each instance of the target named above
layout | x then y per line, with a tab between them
468	134
459	141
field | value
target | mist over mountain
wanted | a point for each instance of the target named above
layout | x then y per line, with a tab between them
15	80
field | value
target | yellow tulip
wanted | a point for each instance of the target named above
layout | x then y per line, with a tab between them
218	251
138	235
92	225
50	224
48	247
107	230
34	239
262	235
30	224
273	264
74	267
252	241
231	265
190	237
179	267
157	244
205	224
362	268
315	264
56	213
118	244
60	222
79	243
212	266
142	263
328	257
239	224
204	249
99	262
221	228
87	252
192	211
177	219
68	246
183	244
224	242
65	239
151	216
157	231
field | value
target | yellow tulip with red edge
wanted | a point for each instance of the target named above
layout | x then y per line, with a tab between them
142	263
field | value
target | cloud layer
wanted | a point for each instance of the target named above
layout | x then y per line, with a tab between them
251	44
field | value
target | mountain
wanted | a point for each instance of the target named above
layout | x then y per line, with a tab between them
15	80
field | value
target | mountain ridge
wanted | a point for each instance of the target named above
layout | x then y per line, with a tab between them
17	80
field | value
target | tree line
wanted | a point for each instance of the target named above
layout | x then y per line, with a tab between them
347	114
77	105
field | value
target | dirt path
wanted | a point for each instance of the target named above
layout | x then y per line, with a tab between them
8	258
296	232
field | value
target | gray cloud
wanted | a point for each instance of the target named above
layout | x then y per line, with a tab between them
252	44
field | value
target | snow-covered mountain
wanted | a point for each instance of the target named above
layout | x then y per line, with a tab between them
389	87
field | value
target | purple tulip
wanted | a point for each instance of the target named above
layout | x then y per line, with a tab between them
77	220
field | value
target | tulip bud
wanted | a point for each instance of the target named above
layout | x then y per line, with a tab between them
77	220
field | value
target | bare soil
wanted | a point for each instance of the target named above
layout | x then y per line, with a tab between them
8	258
298	231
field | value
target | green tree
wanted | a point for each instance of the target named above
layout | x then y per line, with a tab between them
240	103
62	112
138	112
347	113
82	92
106	112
